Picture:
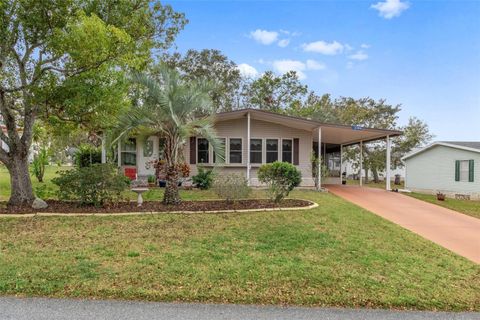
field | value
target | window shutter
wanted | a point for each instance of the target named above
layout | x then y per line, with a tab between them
193	150
471	165
296	147
457	170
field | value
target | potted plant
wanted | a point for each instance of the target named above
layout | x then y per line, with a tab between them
440	196
151	181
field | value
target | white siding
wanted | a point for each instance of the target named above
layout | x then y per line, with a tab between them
434	170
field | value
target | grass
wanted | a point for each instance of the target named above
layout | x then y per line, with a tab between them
471	208
334	255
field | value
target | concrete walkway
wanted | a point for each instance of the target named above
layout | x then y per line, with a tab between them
453	230
63	309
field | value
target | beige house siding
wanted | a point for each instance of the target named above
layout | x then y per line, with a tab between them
237	128
434	170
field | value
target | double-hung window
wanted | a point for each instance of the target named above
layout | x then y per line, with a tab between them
256	150
464	170
287	148
202	150
129	152
272	150
235	150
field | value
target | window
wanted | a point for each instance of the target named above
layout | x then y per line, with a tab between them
287	150
255	150
202	150
236	150
129	153
272	150
464	170
148	148
220	159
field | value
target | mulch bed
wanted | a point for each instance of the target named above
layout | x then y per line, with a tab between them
55	206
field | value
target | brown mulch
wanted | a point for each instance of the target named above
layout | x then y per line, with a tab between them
55	206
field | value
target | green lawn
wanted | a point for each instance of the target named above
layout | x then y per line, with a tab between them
334	255
472	208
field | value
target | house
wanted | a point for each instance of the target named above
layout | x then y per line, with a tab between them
450	167
254	137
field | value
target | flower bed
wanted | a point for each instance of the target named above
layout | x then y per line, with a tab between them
55	206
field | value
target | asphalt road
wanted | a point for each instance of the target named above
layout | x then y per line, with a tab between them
56	309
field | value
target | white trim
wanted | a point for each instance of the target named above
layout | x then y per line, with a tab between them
319	150
248	148
209	152
433	144
262	152
360	176
279	145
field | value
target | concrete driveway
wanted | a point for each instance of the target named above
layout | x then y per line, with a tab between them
453	230
62	309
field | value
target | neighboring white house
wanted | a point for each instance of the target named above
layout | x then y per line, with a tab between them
254	137
351	171
450	167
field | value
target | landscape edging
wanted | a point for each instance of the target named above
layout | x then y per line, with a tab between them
59	214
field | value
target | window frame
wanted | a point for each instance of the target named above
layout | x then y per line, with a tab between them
230	150
466	172
198	150
278	149
261	151
291	151
124	151
214	160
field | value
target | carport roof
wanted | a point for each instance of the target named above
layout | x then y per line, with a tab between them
331	133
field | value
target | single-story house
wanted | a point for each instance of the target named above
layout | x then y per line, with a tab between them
254	137
450	167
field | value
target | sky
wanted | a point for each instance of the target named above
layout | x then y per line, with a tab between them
424	55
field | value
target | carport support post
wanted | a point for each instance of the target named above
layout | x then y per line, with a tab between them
361	163
388	165
341	162
248	148
319	169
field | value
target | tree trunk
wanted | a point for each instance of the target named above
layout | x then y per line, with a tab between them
171	195
376	179
21	185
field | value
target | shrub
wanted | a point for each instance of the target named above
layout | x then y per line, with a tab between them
39	162
231	187
87	155
203	179
280	177
96	185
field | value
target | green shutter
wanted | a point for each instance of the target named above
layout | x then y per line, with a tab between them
470	170
457	170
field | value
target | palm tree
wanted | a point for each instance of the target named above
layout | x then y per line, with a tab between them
174	110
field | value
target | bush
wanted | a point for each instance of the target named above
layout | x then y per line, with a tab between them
97	185
203	179
231	187
39	162
87	155
280	177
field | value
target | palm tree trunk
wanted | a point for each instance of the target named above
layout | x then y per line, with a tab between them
171	195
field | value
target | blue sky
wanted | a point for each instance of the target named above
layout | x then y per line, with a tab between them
424	55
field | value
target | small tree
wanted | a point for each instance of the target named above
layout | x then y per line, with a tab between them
280	177
40	160
203	179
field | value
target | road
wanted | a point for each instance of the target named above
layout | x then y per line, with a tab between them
56	309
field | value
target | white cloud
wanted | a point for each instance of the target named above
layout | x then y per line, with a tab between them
364	46
264	37
350	65
323	47
247	70
283	43
390	8
315	65
359	56
283	66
